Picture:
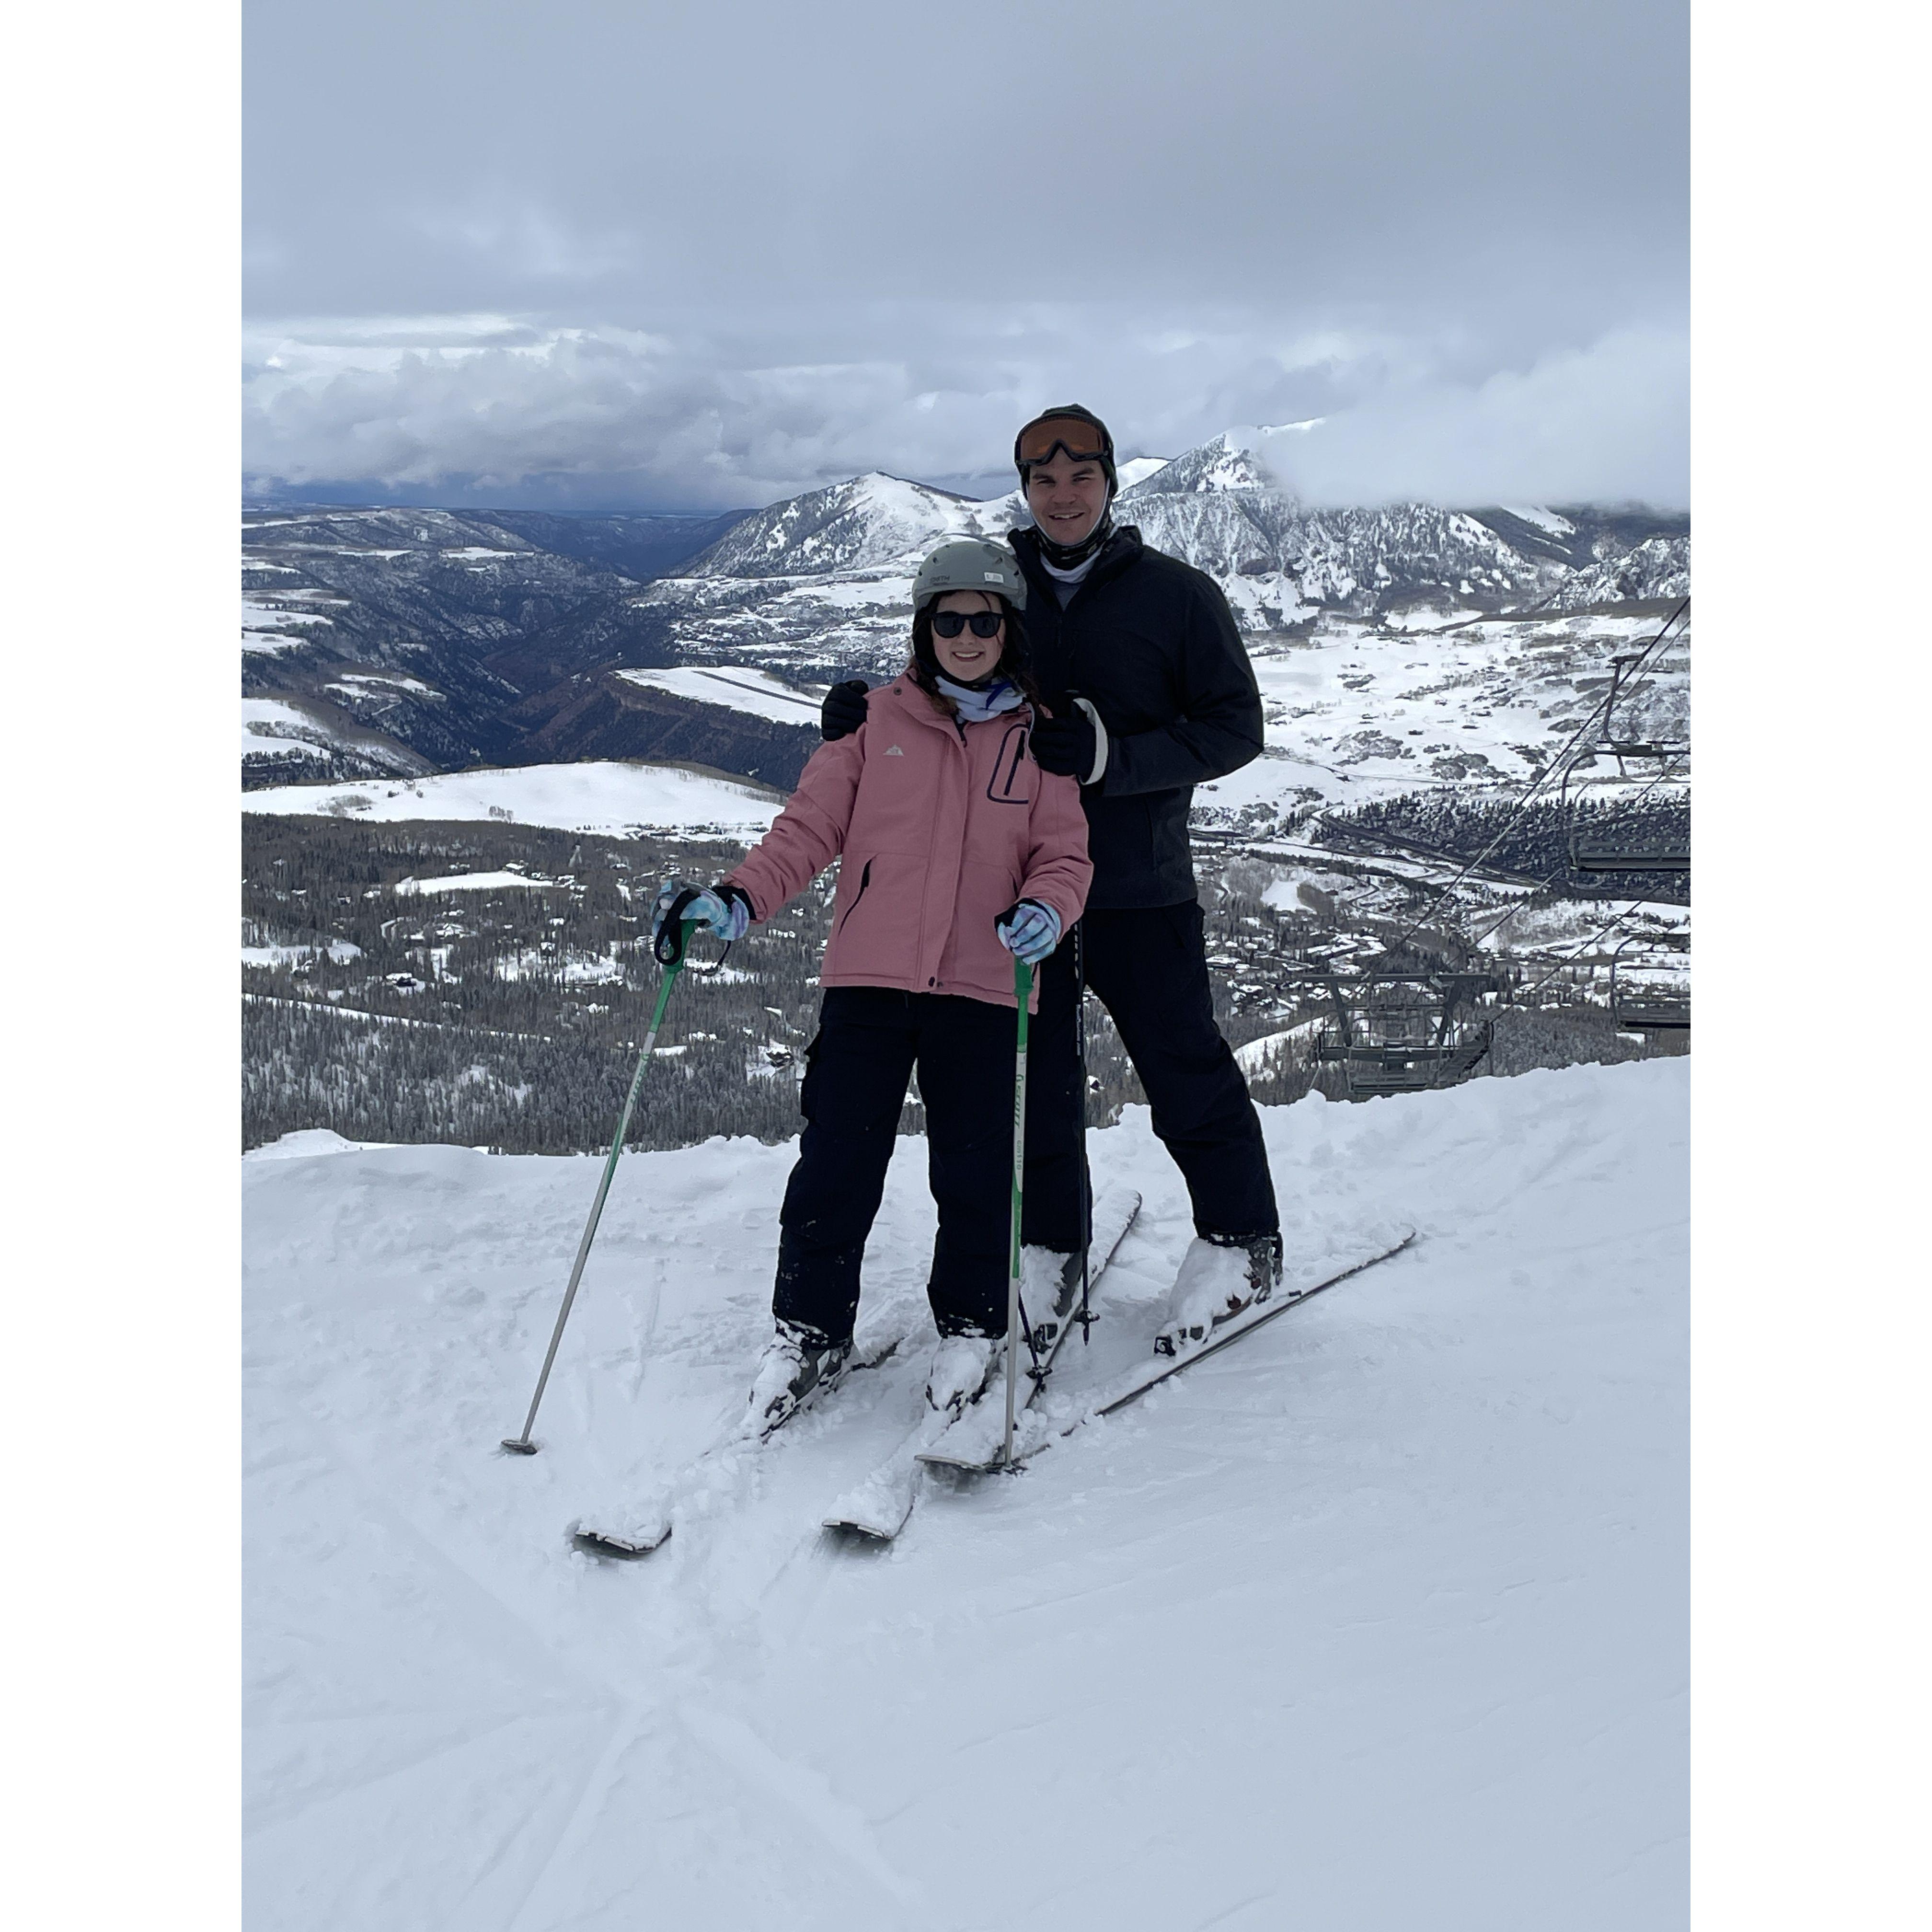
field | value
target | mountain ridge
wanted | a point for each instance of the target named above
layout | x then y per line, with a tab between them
379	640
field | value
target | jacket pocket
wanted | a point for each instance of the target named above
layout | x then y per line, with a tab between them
864	886
1011	781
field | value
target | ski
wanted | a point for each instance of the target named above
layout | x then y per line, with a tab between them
637	1534
879	1507
1042	1432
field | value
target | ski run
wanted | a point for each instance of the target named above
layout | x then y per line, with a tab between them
1372	1619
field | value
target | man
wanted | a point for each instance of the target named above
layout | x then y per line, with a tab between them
1151	693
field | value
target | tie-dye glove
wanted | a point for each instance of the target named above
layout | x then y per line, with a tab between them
1029	930
723	910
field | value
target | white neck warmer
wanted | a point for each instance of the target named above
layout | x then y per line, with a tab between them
1065	582
977	702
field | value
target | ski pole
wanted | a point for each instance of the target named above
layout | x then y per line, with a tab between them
1022	992
672	940
1086	1177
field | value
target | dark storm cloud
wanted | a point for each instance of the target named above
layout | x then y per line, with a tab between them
746	247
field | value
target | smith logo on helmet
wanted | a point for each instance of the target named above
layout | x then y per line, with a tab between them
996	577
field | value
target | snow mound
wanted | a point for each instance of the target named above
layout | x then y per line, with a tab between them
307	1143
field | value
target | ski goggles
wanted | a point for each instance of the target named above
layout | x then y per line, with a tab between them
1039	441
950	623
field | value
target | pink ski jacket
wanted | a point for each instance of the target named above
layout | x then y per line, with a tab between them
942	826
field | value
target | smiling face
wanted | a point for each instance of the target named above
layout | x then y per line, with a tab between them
1066	498
968	659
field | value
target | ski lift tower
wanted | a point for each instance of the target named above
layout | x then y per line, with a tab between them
1400	1032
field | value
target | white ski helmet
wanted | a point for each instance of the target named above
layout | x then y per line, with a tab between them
970	563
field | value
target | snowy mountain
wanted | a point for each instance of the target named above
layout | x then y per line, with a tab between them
1219	508
1376	1620
820	585
873	523
1657	570
395	642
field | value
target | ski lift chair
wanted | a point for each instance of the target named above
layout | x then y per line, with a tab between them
1606	846
1636	1008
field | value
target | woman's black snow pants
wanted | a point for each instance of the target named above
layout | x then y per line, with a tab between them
869	1040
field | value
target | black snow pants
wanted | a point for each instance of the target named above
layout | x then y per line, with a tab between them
869	1041
1148	967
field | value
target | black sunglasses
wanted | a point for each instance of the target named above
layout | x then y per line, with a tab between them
950	623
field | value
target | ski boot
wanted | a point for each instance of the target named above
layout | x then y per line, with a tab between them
960	1371
798	1361
1050	1288
1220	1275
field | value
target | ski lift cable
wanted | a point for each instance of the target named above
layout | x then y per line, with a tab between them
1560	763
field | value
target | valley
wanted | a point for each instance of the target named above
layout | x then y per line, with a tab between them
589	703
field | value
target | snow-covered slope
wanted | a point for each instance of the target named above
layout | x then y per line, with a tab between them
1375	1622
735	688
1359	709
599	796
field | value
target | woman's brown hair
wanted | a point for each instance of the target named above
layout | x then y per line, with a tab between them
1014	666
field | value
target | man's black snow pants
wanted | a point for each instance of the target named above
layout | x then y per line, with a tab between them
1148	967
869	1039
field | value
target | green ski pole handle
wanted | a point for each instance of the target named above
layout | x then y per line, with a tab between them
673	964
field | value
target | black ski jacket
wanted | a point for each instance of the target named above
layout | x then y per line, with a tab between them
1150	642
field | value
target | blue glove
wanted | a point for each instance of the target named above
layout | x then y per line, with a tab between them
1029	930
723	910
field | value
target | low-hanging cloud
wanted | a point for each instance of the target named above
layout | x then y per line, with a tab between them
718	415
1608	423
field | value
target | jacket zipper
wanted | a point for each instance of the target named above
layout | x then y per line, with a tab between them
931	846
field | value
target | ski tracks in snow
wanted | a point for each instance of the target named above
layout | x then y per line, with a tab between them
807	1795
1402	1546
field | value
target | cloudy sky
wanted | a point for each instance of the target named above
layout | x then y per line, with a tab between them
613	253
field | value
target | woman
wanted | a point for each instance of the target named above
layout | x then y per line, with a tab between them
959	855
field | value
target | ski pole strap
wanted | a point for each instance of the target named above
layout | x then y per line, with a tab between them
673	937
674	933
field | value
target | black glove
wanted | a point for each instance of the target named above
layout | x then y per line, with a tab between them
1067	746
843	710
